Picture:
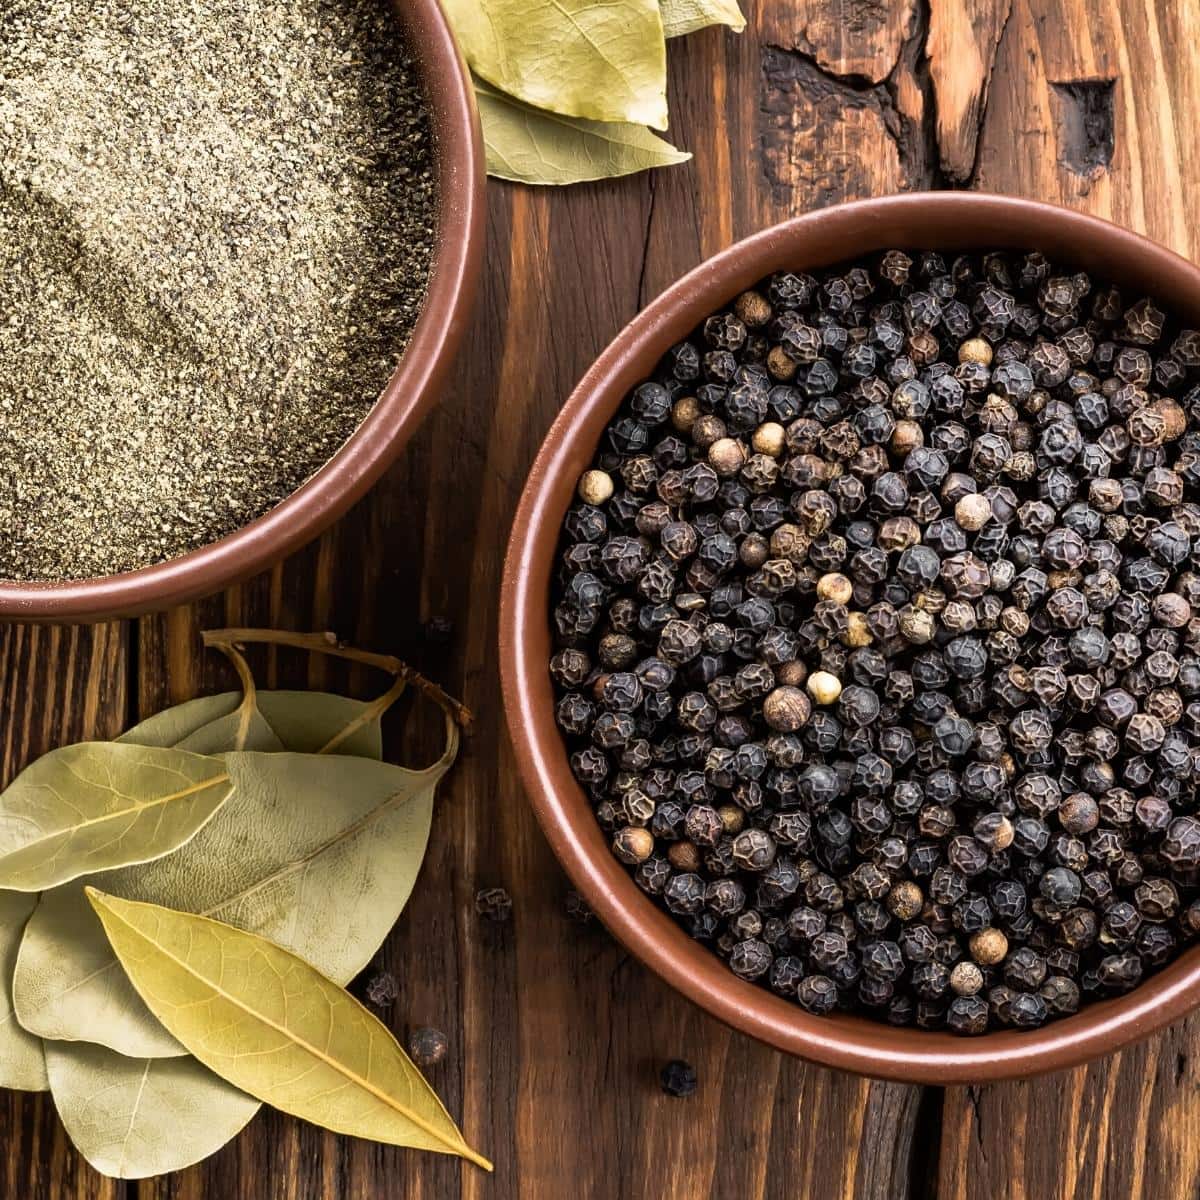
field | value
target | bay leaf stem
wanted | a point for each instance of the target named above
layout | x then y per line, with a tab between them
328	643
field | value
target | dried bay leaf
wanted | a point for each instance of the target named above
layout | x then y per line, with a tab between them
307	722
605	62
22	1064
99	805
172	725
136	1117
349	831
681	17
273	1026
530	145
300	721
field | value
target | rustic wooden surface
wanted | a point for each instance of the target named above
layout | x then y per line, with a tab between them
555	1035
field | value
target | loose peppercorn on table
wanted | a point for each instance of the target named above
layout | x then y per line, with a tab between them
567	1062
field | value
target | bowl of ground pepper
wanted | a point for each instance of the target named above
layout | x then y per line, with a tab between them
848	643
235	280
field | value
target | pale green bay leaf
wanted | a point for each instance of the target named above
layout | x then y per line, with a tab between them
529	145
172	725
242	729
273	1026
99	805
306	722
681	17
316	852
606	62
136	1117
300	721
22	1064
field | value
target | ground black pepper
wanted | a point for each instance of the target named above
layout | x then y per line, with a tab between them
880	657
216	229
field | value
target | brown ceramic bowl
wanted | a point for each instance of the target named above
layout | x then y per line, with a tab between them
409	395
944	221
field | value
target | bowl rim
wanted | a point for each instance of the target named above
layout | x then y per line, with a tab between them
847	1042
407	397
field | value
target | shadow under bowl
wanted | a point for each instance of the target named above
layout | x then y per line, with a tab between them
938	221
408	397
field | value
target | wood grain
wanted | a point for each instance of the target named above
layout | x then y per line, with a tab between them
56	686
556	1036
961	49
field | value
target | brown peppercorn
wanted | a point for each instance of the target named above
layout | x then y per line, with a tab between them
733	819
633	845
787	709
792	674
1174	418
684	414
1171	609
753	309
835	587
684	856
916	625
905	900
706	430
973	512
923	348
975	350
726	456
1147	427
966	979
988	946
1079	813
754	550
898	533
780	365
906	437
791	542
770	439
595	487
427	1046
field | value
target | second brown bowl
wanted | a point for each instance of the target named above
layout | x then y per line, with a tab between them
941	221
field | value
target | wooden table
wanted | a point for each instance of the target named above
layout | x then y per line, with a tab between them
556	1035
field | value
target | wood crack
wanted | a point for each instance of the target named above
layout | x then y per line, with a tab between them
826	137
1086	125
962	45
641	283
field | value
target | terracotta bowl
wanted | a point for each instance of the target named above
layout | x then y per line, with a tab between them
943	221
408	397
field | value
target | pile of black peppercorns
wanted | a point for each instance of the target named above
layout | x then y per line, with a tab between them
878	638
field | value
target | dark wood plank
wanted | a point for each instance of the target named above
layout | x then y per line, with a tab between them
56	686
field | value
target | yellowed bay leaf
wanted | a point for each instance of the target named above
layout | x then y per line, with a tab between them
315	852
22	1065
98	805
273	1026
136	1117
530	145
606	62
680	17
